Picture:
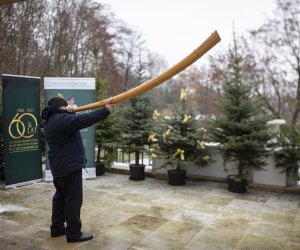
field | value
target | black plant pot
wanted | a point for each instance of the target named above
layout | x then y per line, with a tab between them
137	172
100	168
176	177
237	184
2	175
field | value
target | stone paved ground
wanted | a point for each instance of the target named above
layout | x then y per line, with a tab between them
150	214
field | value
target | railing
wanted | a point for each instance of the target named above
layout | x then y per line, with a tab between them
124	157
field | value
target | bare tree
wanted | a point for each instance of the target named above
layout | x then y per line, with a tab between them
20	36
102	47
80	41
70	38
61	34
128	45
278	68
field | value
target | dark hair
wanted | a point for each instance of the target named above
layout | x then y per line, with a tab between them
57	102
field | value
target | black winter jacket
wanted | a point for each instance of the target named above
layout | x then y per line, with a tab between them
62	133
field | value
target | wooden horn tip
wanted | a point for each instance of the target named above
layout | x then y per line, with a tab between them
216	34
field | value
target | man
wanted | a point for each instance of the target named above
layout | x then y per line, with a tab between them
67	158
72	103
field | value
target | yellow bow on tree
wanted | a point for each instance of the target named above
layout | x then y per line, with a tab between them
202	130
151	137
165	134
179	152
153	155
186	118
200	144
206	158
183	94
155	114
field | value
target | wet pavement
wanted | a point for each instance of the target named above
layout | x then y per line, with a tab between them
151	214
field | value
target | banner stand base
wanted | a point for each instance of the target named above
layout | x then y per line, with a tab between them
87	174
22	184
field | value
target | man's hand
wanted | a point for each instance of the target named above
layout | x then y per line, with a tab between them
110	106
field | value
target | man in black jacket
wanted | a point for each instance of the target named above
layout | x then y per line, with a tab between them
67	158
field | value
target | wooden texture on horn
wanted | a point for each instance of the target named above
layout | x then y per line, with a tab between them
210	42
9	1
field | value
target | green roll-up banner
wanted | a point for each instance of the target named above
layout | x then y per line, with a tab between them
77	91
21	129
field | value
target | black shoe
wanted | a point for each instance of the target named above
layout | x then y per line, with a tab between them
56	234
83	237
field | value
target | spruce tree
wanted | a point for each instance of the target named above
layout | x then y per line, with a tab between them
180	138
241	129
287	153
135	123
105	132
135	126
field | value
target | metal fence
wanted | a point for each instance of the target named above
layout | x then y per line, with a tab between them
124	157
121	156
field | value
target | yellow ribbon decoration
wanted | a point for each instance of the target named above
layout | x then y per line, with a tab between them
155	114
153	155
167	133
202	130
186	118
200	144
179	152
206	158
183	94
151	137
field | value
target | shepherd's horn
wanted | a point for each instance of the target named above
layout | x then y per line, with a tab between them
210	42
9	1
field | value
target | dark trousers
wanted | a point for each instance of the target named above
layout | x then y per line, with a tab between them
66	205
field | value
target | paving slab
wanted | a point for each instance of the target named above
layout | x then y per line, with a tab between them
151	214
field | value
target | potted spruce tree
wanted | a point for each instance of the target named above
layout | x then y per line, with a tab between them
105	140
2	175
135	126
240	128
105	134
180	140
287	153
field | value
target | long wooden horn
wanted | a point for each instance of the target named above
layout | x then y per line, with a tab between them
9	1
210	42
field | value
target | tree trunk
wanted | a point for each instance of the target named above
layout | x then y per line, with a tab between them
98	153
137	157
240	169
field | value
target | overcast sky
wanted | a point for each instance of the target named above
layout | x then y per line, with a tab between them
174	28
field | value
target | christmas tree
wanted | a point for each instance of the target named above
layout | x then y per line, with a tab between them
240	129
179	138
135	126
287	153
105	133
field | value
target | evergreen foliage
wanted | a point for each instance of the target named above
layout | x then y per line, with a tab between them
135	126
180	139
105	135
240	129
288	156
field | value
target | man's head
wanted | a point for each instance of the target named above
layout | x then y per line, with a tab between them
71	100
57	102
